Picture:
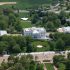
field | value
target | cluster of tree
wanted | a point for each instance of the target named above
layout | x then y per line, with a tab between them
15	44
9	21
60	41
49	20
25	62
61	62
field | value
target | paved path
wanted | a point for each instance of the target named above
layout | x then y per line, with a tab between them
55	68
7	3
45	67
57	12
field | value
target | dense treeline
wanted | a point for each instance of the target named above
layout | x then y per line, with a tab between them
61	41
25	62
49	20
9	21
17	44
61	62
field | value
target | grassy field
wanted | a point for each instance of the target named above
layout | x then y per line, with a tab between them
26	24
49	66
21	15
27	3
45	45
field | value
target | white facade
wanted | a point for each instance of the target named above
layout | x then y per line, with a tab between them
64	29
36	33
2	32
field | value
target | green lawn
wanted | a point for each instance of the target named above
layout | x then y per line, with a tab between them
21	15
45	45
23	4
26	24
49	66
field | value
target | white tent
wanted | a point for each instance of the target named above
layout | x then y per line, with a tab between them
24	18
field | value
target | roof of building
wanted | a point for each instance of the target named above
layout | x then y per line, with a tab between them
64	29
3	32
35	32
34	29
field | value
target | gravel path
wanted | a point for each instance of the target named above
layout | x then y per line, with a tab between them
55	68
45	67
6	3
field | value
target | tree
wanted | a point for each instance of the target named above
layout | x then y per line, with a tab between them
25	60
3	25
44	20
52	45
68	65
3	46
50	26
16	49
40	67
60	44
11	58
21	40
32	65
58	59
51	16
34	19
68	56
18	66
62	66
18	26
12	19
62	17
29	45
57	24
4	65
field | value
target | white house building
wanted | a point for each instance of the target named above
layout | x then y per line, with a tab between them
36	33
3	32
64	29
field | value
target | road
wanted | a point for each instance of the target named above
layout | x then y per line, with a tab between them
51	10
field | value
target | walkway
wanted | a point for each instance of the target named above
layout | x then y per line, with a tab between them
55	68
45	67
7	3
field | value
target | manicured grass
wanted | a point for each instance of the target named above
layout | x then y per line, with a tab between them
45	45
49	66
23	4
6	6
38	42
25	24
21	15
